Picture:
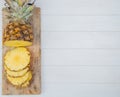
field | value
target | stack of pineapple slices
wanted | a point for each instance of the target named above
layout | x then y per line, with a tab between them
17	67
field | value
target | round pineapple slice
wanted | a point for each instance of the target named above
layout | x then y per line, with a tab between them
18	81
16	73
27	82
17	43
17	59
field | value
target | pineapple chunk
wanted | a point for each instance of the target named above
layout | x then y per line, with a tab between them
15	73
17	59
18	81
17	43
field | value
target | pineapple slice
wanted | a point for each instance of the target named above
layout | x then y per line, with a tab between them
17	59
18	81
17	43
16	73
27	82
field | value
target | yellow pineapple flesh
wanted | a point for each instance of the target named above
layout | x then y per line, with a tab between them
17	43
15	73
17	59
17	67
27	82
18	81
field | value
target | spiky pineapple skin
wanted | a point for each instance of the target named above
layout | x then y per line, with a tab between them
18	34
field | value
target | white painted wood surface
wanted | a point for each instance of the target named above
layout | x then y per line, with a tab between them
80	48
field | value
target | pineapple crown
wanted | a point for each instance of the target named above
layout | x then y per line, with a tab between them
19	10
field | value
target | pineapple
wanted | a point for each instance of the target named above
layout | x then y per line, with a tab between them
18	31
27	82
17	59
15	73
19	81
17	67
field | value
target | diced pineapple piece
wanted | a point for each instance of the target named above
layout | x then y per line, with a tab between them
17	59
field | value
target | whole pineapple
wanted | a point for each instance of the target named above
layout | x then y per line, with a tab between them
18	31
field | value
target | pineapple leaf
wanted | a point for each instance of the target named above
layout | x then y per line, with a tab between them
19	9
29	9
19	2
24	9
27	12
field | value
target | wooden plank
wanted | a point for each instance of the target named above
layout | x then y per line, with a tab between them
80	90
35	86
82	4
89	11
79	7
81	40
81	57
81	74
80	23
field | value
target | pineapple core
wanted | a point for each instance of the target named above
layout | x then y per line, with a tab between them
17	59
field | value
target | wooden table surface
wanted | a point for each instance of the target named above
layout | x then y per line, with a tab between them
80	42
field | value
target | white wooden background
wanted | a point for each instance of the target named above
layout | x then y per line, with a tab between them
80	48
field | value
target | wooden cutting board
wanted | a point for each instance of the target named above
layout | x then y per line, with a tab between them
35	49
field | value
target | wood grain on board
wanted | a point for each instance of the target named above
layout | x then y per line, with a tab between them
35	50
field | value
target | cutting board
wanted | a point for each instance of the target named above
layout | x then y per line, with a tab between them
35	50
